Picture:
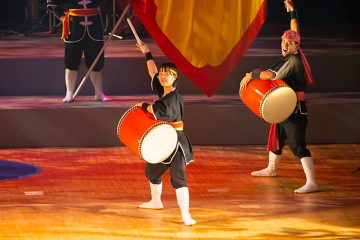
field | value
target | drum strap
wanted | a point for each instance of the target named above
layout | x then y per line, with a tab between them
179	126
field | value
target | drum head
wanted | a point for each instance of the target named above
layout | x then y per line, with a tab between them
278	104
158	143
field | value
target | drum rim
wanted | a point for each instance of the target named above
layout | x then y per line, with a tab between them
261	107
122	119
147	132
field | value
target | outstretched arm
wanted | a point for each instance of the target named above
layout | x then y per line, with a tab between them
152	69
256	74
294	22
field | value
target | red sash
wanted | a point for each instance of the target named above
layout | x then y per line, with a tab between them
83	12
177	125
273	140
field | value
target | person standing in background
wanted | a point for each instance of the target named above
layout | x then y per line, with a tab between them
82	33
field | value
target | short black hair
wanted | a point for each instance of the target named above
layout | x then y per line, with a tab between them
169	65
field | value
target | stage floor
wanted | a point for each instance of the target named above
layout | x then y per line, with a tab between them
93	193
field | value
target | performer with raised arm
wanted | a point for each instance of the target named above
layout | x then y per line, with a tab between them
82	33
169	107
294	69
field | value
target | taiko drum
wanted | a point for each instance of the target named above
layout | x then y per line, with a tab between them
272	100
152	140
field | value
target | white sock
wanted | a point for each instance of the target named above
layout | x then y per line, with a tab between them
271	169
70	80
155	202
182	196
310	186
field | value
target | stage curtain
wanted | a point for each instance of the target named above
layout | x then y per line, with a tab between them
205	38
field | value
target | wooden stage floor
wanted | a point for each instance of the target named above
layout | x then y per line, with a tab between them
93	193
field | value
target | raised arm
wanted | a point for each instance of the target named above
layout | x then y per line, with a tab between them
152	69
294	22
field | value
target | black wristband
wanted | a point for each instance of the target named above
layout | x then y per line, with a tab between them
144	106
293	14
148	56
255	74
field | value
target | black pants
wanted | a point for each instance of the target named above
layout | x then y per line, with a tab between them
177	166
293	130
91	48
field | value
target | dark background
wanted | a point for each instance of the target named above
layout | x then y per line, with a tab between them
316	11
328	14
318	18
12	13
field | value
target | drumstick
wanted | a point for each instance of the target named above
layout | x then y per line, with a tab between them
134	32
117	36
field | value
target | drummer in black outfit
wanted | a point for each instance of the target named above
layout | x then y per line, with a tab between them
169	107
293	68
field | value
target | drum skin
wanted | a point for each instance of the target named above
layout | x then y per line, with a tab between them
138	127
272	100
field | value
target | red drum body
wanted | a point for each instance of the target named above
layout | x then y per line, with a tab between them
152	140
272	100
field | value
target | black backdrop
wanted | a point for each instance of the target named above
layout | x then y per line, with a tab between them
13	12
317	11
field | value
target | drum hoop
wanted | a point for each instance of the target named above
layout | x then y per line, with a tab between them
261	108
147	132
122	119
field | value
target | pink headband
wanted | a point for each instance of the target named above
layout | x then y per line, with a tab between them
291	35
295	36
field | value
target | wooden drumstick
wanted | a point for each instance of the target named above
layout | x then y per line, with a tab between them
134	32
117	36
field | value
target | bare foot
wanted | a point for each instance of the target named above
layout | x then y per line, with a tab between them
68	99
103	98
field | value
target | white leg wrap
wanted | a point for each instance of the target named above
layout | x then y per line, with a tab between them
96	79
155	202
310	186
182	196
271	169
70	80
